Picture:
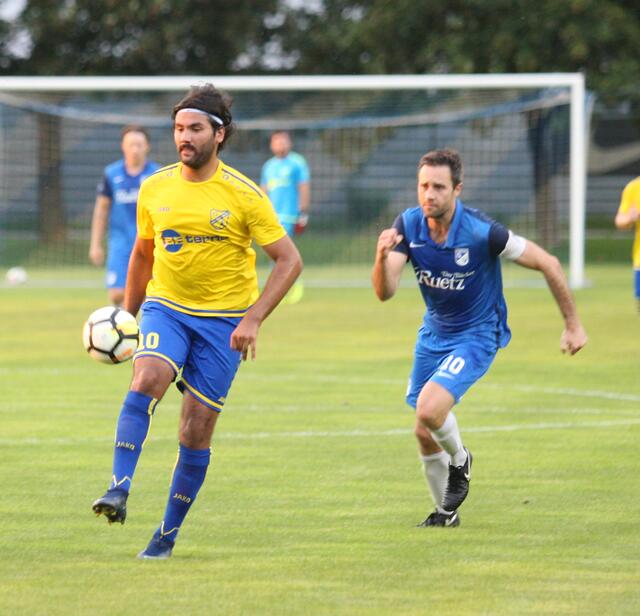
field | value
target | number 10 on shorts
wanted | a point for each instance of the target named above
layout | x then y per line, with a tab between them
452	364
149	341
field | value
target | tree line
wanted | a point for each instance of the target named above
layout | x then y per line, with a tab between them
209	37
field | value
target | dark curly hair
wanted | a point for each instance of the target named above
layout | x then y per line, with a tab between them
210	100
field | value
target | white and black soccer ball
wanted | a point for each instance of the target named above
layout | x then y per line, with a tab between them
110	335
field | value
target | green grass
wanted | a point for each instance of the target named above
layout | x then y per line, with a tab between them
311	502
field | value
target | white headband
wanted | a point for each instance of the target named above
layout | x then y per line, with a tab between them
215	118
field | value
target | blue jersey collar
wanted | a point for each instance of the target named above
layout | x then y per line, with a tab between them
425	236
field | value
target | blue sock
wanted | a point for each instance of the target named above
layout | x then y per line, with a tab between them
188	476
131	432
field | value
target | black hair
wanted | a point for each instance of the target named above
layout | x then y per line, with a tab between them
209	99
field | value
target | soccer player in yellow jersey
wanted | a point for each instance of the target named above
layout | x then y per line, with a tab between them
628	217
193	267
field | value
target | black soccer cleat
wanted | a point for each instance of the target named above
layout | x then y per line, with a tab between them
450	520
159	548
113	505
457	484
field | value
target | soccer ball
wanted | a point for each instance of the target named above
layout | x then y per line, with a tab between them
16	276
110	335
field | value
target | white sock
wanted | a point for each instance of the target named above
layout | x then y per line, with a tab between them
436	472
448	437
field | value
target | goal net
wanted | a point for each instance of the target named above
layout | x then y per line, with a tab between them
362	138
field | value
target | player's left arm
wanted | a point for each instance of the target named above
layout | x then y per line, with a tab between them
535	257
304	189
287	267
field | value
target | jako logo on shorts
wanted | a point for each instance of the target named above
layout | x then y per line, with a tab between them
172	240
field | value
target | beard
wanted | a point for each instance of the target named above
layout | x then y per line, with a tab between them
196	159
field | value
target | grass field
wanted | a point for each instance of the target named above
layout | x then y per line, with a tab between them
311	502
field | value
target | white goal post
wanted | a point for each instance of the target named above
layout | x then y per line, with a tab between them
573	82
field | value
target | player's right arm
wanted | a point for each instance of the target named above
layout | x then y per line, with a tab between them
628	215
388	265
99	222
627	219
138	274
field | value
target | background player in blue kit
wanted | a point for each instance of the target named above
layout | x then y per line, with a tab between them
454	251
286	179
114	213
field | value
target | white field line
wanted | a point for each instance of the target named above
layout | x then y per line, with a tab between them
562	425
328	378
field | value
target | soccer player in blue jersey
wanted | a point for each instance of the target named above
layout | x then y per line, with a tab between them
286	179
455	252
114	213
194	268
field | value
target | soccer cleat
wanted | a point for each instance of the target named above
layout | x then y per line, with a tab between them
113	505
159	548
457	484
441	519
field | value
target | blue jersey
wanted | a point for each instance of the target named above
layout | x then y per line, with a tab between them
282	177
460	279
123	189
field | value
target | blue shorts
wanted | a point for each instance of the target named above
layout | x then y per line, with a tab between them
636	282
197	348
454	364
117	266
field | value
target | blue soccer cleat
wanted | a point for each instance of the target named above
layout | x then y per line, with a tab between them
113	505
159	548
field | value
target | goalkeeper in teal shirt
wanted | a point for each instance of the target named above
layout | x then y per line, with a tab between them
285	178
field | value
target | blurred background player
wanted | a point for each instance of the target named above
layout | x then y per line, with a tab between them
114	213
628	217
286	179
455	252
194	263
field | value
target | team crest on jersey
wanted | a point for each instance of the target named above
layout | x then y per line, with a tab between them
461	256
219	219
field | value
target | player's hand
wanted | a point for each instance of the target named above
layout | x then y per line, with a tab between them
301	223
244	337
96	255
573	339
387	241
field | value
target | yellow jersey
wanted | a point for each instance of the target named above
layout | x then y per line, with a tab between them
631	196
202	231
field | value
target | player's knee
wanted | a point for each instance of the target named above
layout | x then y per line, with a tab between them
151	380
422	434
427	417
197	423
